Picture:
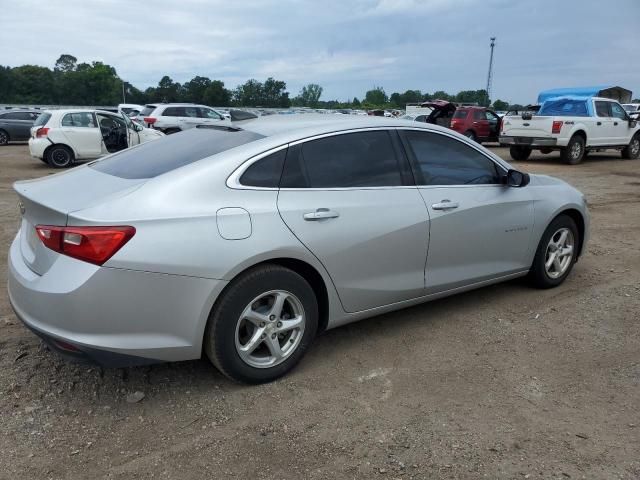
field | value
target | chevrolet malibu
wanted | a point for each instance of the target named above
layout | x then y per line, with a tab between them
246	241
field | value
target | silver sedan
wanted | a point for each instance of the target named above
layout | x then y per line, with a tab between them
246	241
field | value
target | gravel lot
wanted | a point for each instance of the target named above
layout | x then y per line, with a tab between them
501	382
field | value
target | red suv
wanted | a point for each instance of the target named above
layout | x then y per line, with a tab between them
478	123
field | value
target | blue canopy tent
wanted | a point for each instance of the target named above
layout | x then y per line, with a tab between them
613	92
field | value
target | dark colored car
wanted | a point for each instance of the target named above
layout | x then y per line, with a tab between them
478	123
15	125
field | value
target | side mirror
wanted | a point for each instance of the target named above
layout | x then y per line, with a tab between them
632	123
517	179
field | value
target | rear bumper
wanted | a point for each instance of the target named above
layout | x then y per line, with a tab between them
112	316
529	141
37	146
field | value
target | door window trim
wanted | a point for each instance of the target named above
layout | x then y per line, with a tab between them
502	168
233	181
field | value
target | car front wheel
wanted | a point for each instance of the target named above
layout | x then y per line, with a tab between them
4	137
556	253
262	325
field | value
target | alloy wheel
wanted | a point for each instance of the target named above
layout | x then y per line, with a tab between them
576	150
559	254
270	329
3	138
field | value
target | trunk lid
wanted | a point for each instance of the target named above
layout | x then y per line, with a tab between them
48	201
539	127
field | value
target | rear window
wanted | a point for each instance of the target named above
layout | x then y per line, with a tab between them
161	156
460	114
42	120
574	108
147	110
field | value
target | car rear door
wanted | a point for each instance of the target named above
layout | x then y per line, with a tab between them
480	229
480	123
82	132
604	129
350	199
190	118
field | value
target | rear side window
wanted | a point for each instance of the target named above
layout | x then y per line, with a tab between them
79	119
42	119
443	160
147	110
265	172
174	112
161	156
19	116
460	114
479	115
363	159
602	109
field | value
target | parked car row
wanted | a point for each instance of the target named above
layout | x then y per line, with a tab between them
15	125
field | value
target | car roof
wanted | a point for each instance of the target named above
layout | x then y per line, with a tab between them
20	110
308	124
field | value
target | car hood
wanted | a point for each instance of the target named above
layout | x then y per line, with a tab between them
536	179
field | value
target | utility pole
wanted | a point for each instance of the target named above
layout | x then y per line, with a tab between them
124	99
490	74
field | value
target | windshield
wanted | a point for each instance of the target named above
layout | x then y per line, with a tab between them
161	156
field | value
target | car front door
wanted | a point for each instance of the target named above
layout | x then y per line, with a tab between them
622	132
350	199
82	133
494	125
190	118
604	124
480	229
209	116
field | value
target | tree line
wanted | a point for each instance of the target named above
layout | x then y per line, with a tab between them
96	83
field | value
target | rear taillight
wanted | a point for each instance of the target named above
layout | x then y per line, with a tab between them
557	126
91	244
150	120
42	132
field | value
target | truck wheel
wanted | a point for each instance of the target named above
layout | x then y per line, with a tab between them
573	153
632	151
518	152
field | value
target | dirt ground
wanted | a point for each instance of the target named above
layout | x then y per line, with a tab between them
502	382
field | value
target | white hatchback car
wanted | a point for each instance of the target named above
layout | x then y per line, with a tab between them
62	137
175	117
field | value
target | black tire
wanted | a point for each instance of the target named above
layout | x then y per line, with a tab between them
519	152
170	131
573	153
632	151
226	317
4	137
538	275
60	156
470	134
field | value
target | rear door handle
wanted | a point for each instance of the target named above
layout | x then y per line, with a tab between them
320	214
598	123
445	205
615	123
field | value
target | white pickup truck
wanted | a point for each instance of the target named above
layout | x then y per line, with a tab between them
573	125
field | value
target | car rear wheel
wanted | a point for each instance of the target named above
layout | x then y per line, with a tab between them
632	151
60	156
520	153
262	325
556	254
573	153
4	137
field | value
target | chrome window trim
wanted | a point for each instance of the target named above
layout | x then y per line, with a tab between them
233	180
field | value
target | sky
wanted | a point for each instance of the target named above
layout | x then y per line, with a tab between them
346	46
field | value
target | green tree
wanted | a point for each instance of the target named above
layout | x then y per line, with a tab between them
32	84
500	105
376	97
356	102
194	90
248	94
310	95
216	95
168	90
275	93
66	63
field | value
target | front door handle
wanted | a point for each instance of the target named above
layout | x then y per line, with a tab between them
320	214
615	123
445	205
598	123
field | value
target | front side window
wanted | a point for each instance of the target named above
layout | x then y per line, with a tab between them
79	119
618	112
191	112
352	160
265	172
208	113
442	160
